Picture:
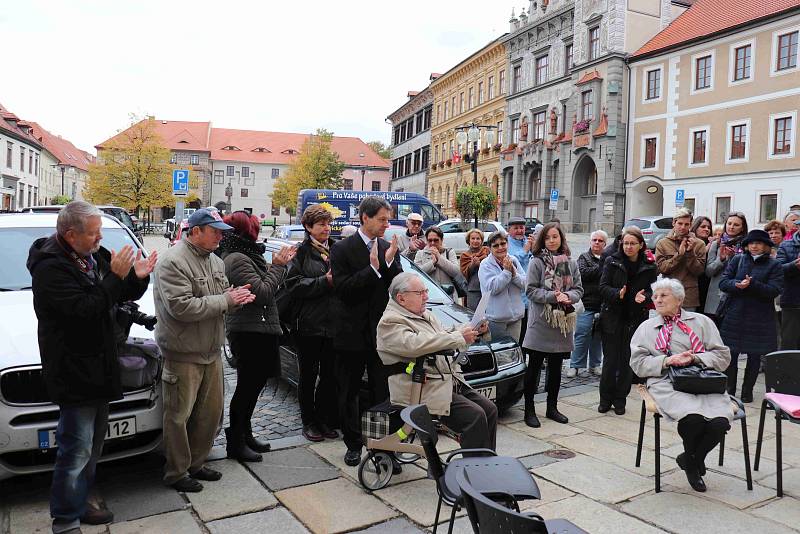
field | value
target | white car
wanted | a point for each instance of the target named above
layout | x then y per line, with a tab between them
27	417
455	232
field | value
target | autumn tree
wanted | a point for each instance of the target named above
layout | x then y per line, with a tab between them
134	171
475	201
381	149
316	167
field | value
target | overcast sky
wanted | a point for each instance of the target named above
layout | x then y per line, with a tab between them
80	67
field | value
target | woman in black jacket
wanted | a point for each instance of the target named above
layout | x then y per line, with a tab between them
625	290
311	290
252	329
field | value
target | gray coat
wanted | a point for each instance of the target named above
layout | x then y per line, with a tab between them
648	363
442	271
261	315
714	269
540	335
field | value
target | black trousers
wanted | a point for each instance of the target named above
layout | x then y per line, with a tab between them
350	367
316	359
474	417
701	435
615	380
750	372
790	328
534	370
257	357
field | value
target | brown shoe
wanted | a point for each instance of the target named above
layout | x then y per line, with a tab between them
328	432
312	433
97	516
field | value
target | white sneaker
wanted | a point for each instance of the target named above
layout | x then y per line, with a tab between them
597	371
572	372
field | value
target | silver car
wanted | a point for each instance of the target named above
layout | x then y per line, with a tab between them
27	417
654	228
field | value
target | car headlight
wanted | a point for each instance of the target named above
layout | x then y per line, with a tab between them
508	357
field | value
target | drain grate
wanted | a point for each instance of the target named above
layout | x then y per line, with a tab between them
560	454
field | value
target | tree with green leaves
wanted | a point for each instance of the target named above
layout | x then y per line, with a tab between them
60	200
133	170
475	202
381	149
316	167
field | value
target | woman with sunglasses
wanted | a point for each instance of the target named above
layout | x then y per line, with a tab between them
435	260
502	283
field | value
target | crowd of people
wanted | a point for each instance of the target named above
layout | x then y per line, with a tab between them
708	295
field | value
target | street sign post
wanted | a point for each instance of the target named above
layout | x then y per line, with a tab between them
680	198
553	199
180	182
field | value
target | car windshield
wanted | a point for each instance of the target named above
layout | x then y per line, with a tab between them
639	223
16	242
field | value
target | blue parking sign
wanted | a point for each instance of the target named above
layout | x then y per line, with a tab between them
553	199
680	197
180	182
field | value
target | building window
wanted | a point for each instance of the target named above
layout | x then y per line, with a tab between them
22	159
767	208
741	69
587	106
436	154
491	87
650	147
30	161
445	110
426	121
502	82
471	98
738	141
514	130
243	192
702	74
569	58
402	132
787	51
453	106
689	204
538	125
276	173
653	84
541	70
782	132
438	113
699	146
500	133
9	149
229	170
594	43
722	207
517	79
245	172
376	186
418	122
417	160
195	159
426	156
36	165
348	184
218	177
480	93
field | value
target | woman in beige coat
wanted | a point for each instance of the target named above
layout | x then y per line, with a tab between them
408	330
679	338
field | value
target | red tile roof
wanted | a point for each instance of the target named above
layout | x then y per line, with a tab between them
180	135
64	151
706	18
11	124
588	77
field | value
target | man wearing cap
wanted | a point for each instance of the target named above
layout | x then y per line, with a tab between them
192	296
414	238
789	258
520	247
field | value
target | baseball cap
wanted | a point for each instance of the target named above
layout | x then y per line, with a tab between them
515	220
414	217
205	216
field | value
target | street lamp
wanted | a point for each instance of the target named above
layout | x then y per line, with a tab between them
472	134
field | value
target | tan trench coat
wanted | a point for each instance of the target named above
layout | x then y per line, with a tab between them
647	362
404	336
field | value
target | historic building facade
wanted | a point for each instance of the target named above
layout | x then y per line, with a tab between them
566	115
19	163
714	104
471	92
411	142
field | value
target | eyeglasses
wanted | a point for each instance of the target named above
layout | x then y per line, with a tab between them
418	292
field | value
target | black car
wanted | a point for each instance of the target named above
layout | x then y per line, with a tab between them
530	224
495	369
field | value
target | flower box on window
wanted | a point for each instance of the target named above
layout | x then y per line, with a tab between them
449	162
582	126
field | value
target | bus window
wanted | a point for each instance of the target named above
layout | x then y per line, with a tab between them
429	214
402	211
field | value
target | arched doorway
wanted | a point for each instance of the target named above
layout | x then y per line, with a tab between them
646	197
584	195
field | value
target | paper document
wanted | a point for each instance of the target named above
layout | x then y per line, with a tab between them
480	312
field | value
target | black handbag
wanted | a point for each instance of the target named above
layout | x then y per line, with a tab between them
697	380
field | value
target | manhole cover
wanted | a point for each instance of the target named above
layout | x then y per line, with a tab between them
560	454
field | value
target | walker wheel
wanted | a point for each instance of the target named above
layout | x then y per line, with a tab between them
407	457
375	470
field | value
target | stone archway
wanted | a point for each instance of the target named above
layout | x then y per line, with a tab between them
584	195
646	197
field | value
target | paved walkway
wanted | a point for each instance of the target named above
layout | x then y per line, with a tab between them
585	471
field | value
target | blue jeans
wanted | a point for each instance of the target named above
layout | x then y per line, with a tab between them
586	342
80	435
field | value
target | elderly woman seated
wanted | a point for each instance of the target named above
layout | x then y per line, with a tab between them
679	338
409	330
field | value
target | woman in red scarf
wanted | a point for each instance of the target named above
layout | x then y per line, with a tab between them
470	261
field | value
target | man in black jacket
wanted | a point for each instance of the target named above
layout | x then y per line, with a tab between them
77	286
587	336
363	266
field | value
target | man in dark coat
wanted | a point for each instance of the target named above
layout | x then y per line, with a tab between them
77	286
363	266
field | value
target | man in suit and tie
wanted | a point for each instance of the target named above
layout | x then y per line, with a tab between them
363	265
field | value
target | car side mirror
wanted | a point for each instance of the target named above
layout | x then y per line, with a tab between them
449	289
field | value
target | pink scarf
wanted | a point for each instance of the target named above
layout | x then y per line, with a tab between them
665	334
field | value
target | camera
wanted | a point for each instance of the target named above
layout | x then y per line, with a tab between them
128	314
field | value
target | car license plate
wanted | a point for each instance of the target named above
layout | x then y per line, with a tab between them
488	392
116	429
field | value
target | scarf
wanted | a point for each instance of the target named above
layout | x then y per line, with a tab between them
665	334
466	259
734	241
85	264
232	242
323	249
558	277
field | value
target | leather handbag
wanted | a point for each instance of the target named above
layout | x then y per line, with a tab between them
697	380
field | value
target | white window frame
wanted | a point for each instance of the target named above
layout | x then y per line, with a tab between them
773	63
732	61
642	152
714	204
645	85
771	145
728	140
690	152
761	193
713	53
